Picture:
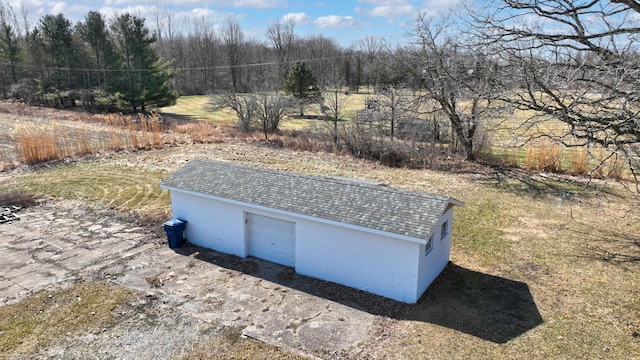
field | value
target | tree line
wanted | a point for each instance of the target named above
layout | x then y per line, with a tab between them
103	64
563	62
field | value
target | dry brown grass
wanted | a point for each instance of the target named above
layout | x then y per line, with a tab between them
552	157
17	198
51	316
38	141
201	132
544	156
577	255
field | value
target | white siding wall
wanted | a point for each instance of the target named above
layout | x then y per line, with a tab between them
430	266
211	224
382	265
374	263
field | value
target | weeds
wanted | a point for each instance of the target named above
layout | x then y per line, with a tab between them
48	317
17	198
37	143
545	156
552	157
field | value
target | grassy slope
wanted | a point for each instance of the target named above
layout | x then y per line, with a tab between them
581	273
579	259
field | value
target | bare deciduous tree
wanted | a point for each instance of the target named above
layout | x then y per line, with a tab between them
272	109
395	104
458	76
333	103
243	105
281	36
577	63
233	38
263	110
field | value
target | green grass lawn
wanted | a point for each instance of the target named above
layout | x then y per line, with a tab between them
196	108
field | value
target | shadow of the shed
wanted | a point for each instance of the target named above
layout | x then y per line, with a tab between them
489	307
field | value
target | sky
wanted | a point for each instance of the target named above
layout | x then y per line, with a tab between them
346	21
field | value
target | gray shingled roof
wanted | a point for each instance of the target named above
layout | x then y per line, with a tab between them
353	202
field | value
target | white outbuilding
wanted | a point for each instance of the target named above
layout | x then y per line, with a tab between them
386	241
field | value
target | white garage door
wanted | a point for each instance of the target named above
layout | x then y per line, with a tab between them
271	239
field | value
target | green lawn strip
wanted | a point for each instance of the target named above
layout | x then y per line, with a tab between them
51	316
118	187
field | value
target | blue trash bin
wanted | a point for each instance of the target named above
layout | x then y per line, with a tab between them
175	229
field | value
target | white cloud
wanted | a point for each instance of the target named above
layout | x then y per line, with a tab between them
440	4
131	3
200	13
391	11
57	7
297	18
384	2
335	21
259	4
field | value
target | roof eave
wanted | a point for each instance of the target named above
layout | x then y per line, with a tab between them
456	202
298	215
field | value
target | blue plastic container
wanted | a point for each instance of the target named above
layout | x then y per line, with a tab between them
175	229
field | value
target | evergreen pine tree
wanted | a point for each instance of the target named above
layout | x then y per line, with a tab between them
302	84
143	81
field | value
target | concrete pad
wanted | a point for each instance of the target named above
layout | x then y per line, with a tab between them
83	259
63	255
30	267
12	293
14	260
4	284
43	255
55	245
35	280
59	244
26	242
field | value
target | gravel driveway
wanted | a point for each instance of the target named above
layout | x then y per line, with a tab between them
187	292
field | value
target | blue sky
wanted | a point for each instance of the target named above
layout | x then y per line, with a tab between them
345	20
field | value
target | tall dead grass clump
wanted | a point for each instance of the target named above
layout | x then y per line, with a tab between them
578	161
154	125
308	142
38	144
201	132
544	156
608	165
117	140
83	145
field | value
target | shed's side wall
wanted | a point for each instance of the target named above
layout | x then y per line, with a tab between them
211	224
374	263
431	265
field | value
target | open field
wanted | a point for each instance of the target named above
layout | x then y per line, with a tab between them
504	138
196	108
542	267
